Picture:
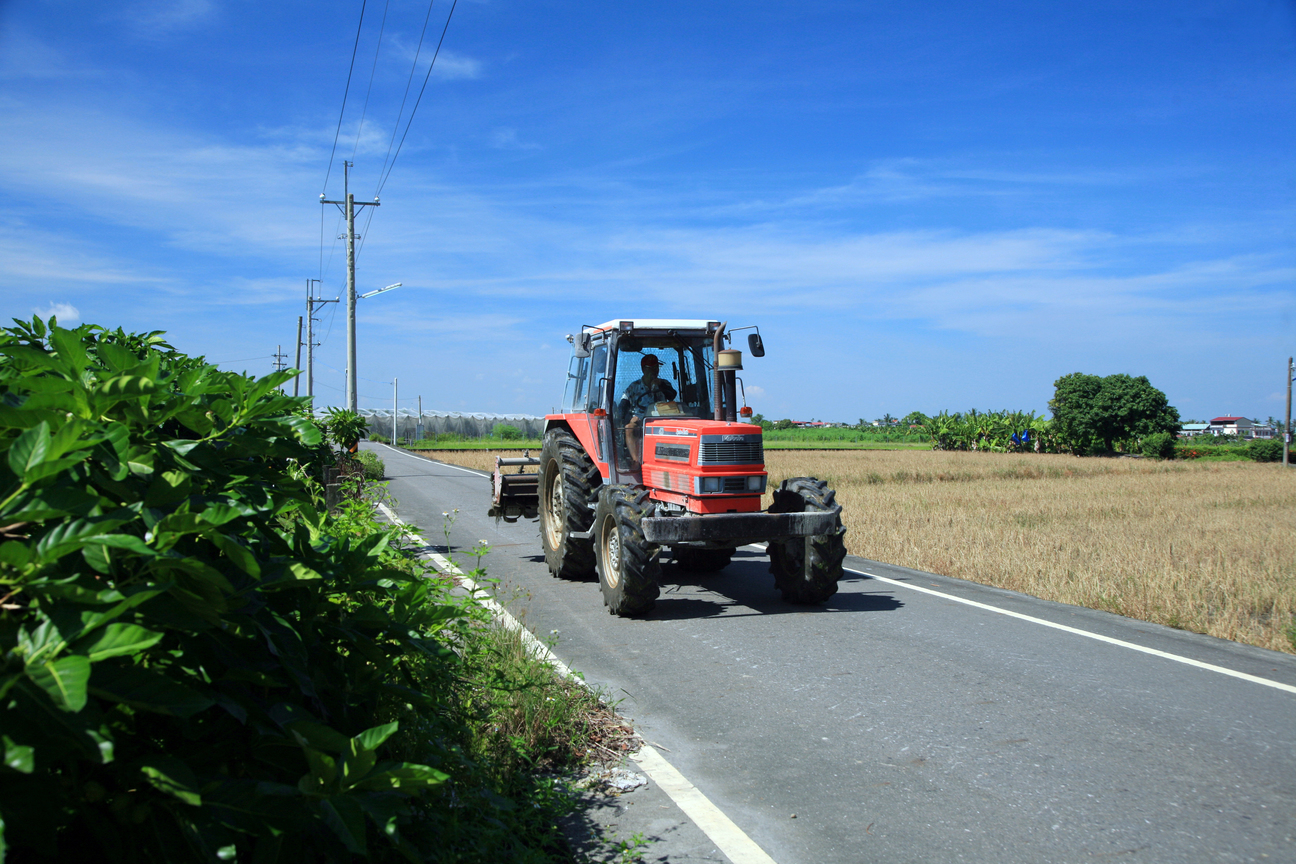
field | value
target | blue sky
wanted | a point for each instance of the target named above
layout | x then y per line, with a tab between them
924	206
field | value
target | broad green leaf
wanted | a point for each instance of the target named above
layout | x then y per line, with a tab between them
405	776
93	739
15	553
128	386
323	771
173	777
241	556
219	514
64	680
68	536
372	739
115	640
168	488
307	432
125	541
318	736
50	467
69	347
29	449
147	690
346	819
19	757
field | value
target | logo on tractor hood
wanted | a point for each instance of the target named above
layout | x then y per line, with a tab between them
733	438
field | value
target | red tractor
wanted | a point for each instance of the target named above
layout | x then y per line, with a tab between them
650	452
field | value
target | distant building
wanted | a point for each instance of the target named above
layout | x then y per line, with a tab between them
1190	430
1239	426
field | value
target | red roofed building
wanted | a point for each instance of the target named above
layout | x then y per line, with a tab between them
1239	426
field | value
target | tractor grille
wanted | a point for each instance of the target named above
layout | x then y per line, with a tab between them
745	450
735	484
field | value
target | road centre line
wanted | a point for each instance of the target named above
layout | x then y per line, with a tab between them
1188	661
719	828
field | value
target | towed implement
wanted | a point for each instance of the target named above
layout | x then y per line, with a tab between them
652	452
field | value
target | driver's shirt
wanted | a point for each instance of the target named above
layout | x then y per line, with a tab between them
639	398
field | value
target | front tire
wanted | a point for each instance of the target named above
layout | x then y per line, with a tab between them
692	560
628	566
798	582
567	479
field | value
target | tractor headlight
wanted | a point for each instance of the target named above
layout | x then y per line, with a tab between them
755	484
712	484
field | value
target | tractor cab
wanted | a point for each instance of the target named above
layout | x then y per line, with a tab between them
626	378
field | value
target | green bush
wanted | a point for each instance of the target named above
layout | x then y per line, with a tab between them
1158	445
507	432
1270	450
378	438
199	663
374	469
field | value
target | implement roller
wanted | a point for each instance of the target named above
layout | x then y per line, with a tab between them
515	495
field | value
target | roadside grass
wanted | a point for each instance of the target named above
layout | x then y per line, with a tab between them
460	442
845	445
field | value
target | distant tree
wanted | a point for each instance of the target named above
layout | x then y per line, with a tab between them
1094	414
785	424
888	420
914	418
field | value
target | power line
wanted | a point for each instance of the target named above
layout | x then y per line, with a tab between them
414	110
408	82
369	89
345	93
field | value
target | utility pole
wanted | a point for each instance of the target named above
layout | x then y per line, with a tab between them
394	409
279	364
348	207
297	363
418	427
1287	435
311	302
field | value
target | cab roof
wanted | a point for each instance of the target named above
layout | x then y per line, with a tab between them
656	324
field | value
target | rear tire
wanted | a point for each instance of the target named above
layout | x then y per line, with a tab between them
568	478
692	560
798	583
628	566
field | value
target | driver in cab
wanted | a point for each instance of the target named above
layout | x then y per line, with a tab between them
638	401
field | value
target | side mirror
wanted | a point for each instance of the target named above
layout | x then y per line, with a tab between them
755	345
581	345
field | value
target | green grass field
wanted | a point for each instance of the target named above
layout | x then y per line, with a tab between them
775	439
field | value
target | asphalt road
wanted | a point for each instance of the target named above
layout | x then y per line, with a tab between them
895	725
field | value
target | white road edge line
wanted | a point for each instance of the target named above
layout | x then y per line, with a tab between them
728	837
445	464
1255	679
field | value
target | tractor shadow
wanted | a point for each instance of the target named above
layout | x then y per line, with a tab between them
746	588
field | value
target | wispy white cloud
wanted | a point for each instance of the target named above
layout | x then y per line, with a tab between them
451	66
67	314
158	19
23	55
505	138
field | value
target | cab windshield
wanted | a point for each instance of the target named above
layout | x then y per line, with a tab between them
675	385
665	377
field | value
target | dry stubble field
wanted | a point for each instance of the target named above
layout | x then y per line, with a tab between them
1208	547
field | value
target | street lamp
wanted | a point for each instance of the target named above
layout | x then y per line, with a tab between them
379	291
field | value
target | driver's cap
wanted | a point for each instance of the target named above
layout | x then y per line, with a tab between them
649	360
